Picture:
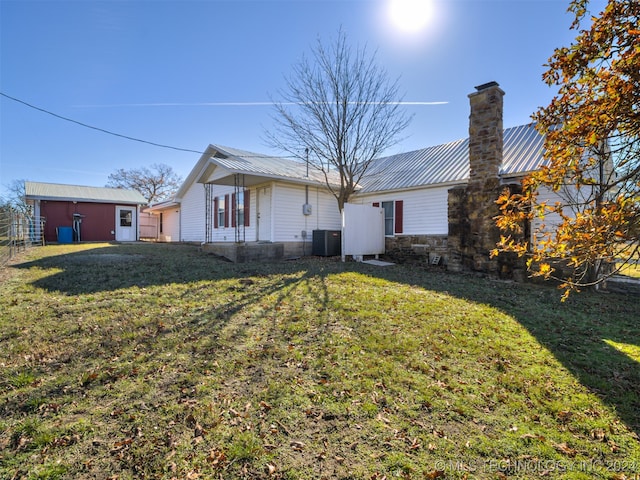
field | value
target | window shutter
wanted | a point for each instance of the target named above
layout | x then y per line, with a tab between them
226	210
216	205
376	204
233	210
399	206
247	203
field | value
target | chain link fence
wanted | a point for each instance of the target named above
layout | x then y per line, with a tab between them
18	232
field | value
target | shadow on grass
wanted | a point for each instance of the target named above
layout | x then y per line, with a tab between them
587	334
121	267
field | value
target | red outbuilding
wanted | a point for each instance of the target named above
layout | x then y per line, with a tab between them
75	213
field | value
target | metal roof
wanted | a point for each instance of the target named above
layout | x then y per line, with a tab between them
522	151
260	165
449	163
80	193
433	165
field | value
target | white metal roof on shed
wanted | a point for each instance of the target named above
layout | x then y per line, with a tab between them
80	193
449	163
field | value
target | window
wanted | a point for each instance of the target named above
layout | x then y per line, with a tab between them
388	218
126	218
240	208
220	213
161	219
393	217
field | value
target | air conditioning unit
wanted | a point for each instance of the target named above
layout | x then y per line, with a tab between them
326	243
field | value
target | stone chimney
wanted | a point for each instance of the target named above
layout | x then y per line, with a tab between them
472	208
485	136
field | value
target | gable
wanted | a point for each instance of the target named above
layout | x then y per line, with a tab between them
221	165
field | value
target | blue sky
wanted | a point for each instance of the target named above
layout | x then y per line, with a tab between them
162	70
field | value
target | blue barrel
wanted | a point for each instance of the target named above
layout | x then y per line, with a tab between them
65	235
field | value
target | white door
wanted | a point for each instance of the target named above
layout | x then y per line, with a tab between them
264	214
126	224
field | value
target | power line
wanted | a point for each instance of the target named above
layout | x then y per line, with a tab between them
98	128
171	147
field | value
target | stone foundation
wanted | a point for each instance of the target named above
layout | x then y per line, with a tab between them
421	249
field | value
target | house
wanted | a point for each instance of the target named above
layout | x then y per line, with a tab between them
438	202
81	213
163	219
413	188
233	197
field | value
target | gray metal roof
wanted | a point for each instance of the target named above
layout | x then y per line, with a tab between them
522	151
433	165
80	193
256	164
449	163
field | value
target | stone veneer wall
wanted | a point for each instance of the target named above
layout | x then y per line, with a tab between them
473	233
417	248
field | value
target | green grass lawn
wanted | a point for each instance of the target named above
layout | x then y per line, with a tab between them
162	362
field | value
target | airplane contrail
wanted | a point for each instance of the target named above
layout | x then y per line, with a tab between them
242	104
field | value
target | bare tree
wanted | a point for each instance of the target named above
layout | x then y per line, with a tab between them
339	112
156	183
15	197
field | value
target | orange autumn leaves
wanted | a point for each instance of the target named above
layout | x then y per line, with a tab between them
583	205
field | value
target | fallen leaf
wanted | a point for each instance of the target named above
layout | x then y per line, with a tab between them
564	448
191	421
216	457
434	474
198	431
298	446
126	441
564	416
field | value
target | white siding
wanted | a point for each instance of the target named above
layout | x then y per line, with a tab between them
424	210
192	213
329	217
289	219
170	225
550	222
228	234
